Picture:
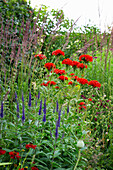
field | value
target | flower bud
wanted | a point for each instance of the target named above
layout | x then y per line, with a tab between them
80	144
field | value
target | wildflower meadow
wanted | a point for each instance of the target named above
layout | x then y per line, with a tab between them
56	88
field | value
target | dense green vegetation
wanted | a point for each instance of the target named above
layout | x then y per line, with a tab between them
46	121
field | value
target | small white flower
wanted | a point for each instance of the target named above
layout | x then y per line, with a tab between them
80	144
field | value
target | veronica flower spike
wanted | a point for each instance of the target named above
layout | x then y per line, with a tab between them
23	112
44	110
29	103
1	115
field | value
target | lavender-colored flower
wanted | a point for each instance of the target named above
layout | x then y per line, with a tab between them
57	107
22	98
29	103
1	115
44	118
40	107
67	109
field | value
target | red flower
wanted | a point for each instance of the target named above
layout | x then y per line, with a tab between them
82	107
44	84
56	87
82	81
30	145
81	65
49	66
2	152
58	52
72	74
95	119
90	99
75	77
86	58
14	155
70	83
51	83
81	103
62	78
41	56
75	63
34	168
57	71
94	83
67	62
22	169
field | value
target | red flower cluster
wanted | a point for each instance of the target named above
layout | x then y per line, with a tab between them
62	78
44	84
82	107
67	62
81	65
57	71
90	99
30	145
94	83
72	74
49	66
2	152
82	81
51	83
70	83
14	155
56	87
86	58
58	52
41	56
75	63
75	78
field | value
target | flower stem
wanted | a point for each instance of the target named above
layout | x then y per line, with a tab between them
77	160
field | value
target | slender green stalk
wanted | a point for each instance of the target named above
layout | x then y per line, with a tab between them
77	159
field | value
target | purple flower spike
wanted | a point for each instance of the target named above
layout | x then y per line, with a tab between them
59	117
1	115
57	106
54	110
17	105
29	103
44	110
15	96
38	94
44	118
22	98
67	109
40	107
56	133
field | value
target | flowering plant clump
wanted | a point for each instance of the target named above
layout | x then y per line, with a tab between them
58	52
81	103
58	71
74	77
51	82
63	78
49	66
67	62
41	56
44	84
30	145
75	63
82	81
86	58
14	155
94	83
70	83
81	65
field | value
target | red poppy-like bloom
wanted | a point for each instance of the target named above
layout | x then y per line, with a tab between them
75	63
56	87
34	168
14	155
2	152
90	99
82	81
86	58
30	145
44	84
67	62
58	52
72	74
82	107
49	66
57	71
41	56
94	83
62	78
81	103
22	168
70	83
81	65
51	83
